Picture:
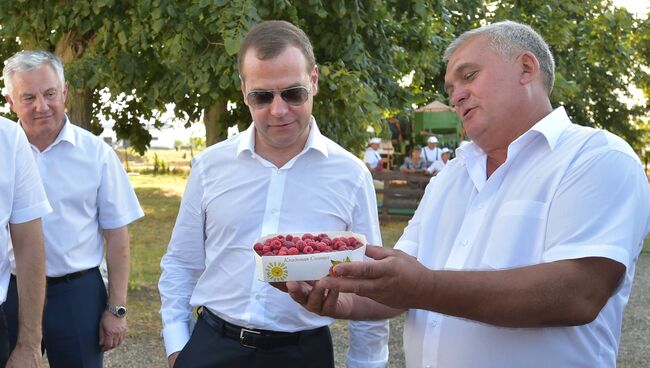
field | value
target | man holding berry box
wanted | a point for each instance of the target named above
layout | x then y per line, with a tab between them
522	250
281	175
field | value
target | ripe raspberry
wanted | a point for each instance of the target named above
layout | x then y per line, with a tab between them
328	248
339	244
307	236
320	246
268	253
258	246
300	245
293	251
279	237
343	247
283	249
323	236
266	248
352	240
327	241
289	237
276	244
308	249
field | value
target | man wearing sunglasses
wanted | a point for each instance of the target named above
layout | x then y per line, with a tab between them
281	175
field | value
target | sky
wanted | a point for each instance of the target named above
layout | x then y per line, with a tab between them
638	7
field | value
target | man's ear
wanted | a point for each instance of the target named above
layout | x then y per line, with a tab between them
314	80
65	91
530	70
243	89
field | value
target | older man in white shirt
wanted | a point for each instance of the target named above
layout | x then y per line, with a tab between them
23	203
371	157
281	175
93	202
431	152
522	251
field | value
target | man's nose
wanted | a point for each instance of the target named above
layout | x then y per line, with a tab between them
41	104
279	107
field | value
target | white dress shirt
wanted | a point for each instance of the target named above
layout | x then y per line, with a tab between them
22	197
234	196
89	191
564	192
372	158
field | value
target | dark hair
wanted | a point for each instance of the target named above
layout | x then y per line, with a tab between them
271	38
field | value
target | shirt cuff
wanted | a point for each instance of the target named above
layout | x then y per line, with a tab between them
176	335
408	247
354	363
31	213
567	251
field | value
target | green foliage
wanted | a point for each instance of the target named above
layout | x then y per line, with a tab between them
597	56
163	51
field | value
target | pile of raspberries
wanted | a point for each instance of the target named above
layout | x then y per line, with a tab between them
291	245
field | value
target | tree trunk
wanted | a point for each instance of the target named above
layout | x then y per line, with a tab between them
80	106
80	98
213	131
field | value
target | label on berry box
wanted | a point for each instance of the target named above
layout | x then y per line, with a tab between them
311	260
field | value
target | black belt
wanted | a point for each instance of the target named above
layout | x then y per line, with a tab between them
251	338
68	277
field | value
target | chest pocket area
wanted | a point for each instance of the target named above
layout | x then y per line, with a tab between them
516	235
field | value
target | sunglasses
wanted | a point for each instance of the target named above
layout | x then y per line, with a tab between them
294	96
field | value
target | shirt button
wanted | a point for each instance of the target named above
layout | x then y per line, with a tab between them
434	323
464	242
257	296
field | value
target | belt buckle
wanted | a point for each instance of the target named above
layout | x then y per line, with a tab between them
242	336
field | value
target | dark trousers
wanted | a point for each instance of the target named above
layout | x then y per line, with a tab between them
71	318
4	339
209	348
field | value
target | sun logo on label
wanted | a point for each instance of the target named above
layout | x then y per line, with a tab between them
277	271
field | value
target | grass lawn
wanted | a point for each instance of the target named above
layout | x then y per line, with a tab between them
160	198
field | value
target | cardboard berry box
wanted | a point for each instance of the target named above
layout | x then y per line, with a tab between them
306	267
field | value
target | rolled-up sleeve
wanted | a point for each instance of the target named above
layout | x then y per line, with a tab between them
368	339
182	265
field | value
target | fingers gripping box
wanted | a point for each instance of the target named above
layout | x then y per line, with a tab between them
305	256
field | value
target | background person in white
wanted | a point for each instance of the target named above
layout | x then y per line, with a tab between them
436	166
281	175
371	157
431	153
92	200
23	203
522	251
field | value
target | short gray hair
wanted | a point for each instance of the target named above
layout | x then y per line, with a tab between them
508	39
24	61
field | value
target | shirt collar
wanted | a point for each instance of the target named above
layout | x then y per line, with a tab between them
550	127
66	134
315	140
